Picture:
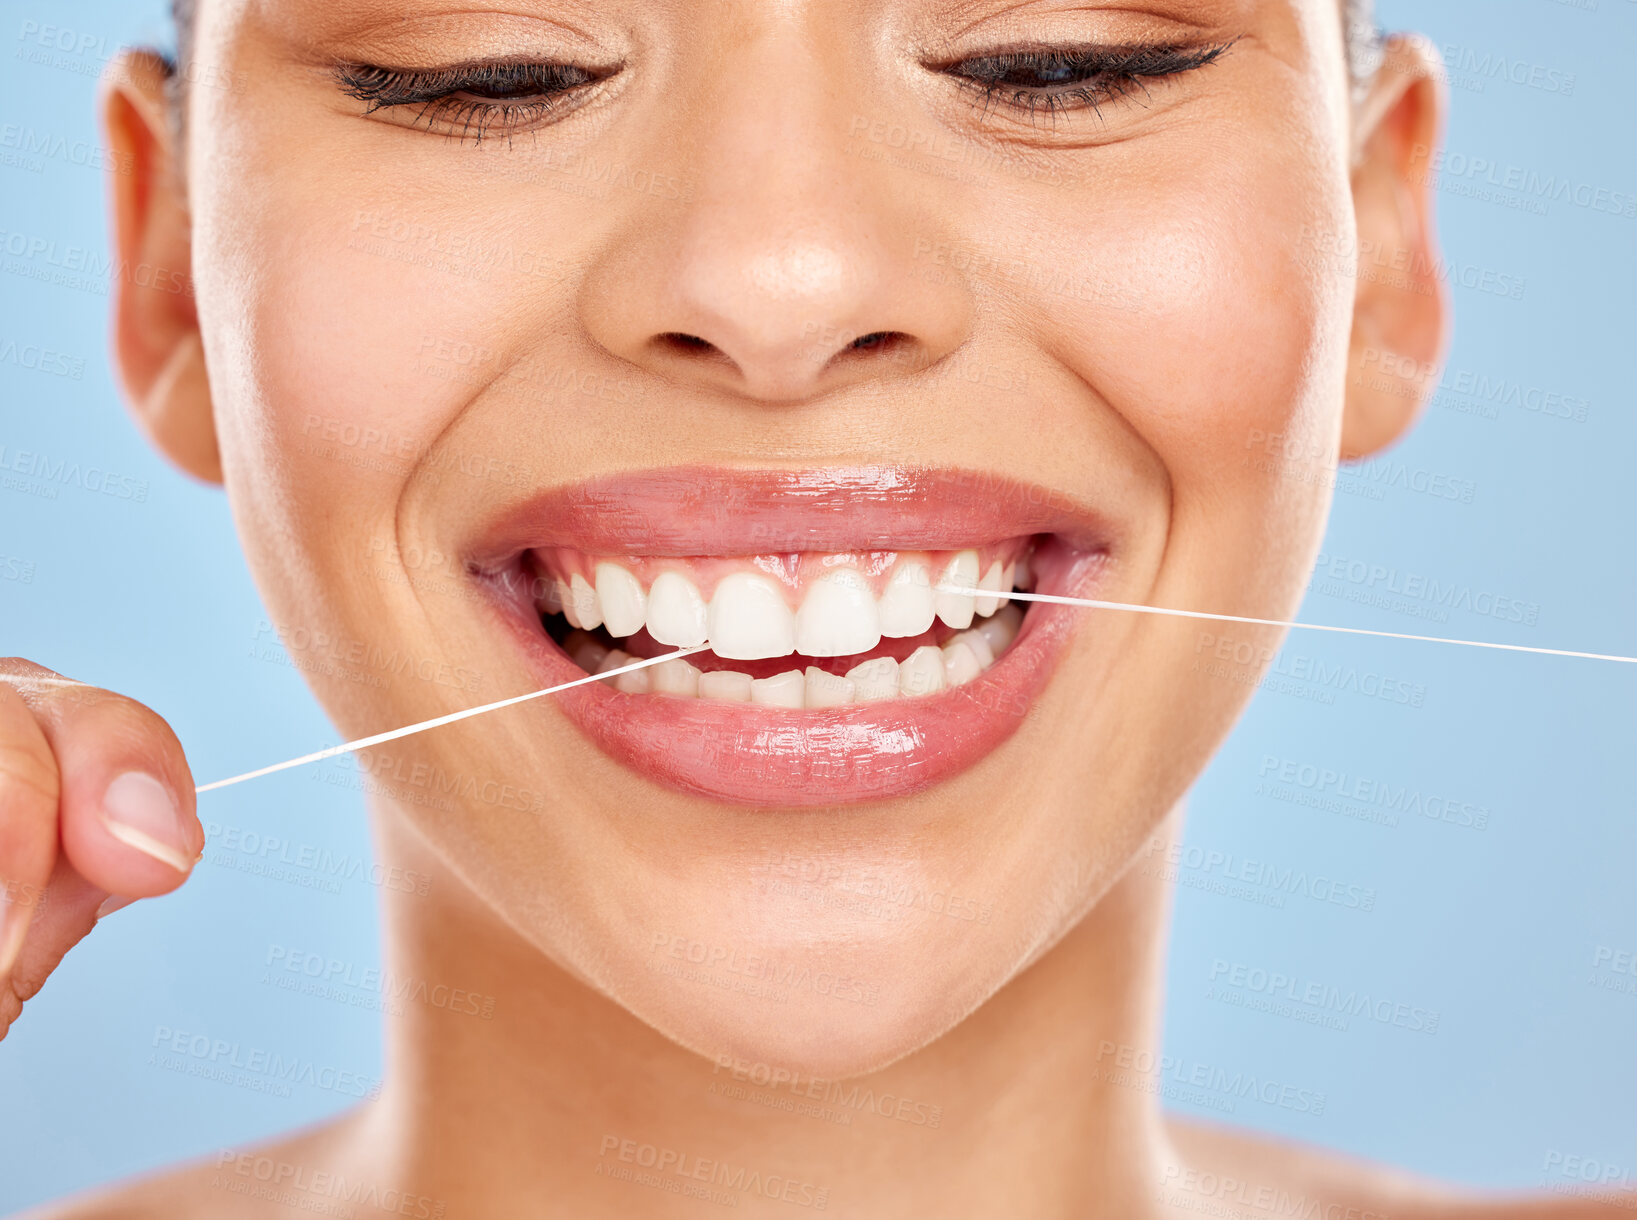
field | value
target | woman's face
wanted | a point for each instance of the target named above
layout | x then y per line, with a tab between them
462	350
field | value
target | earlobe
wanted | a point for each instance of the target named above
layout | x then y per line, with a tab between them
1401	310
157	347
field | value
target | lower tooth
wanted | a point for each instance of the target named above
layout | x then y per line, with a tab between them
875	680
922	672
728	685
1000	629
974	639
824	689
960	663
788	689
587	653
675	678
637	682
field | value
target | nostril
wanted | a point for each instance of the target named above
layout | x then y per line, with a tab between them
875	339
691	343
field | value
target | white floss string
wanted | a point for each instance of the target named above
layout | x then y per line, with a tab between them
365	742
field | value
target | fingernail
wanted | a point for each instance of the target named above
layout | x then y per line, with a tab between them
112	903
139	812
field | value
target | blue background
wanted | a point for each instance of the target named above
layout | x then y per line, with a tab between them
1494	929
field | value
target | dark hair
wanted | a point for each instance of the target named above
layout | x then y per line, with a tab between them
1358	24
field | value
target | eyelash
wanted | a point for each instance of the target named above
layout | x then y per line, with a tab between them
1103	74
541	89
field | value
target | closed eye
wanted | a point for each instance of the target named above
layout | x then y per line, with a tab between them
1056	79
473	99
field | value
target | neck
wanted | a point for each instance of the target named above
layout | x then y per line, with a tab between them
1023	1109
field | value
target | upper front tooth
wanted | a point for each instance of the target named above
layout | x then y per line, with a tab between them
620	597
676	612
748	619
956	609
838	616
907	604
585	602
989	586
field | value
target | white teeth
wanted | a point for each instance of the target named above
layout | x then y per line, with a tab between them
974	639
748	620
620	597
564	598
783	690
585	602
675	678
990	586
613	660
637	682
875	680
960	662
922	672
907	603
1025	572
1000	630
726	684
676	612
956	608
824	689
838	617
1008	582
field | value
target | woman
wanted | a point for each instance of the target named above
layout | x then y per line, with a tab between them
527	339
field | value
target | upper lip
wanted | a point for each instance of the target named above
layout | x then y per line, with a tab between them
712	510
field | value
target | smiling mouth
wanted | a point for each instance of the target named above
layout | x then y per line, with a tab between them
792	631
862	646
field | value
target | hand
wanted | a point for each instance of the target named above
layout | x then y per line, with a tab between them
96	810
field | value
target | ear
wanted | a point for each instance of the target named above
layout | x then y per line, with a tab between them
157	350
1401	311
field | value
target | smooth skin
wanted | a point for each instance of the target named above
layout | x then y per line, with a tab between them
1204	229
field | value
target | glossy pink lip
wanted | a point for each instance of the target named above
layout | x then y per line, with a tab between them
771	757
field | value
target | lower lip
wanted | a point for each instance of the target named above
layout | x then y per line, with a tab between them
746	754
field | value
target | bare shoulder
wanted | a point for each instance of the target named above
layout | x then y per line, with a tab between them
1227	1172
247	1183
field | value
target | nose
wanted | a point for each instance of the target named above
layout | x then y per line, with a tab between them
787	270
